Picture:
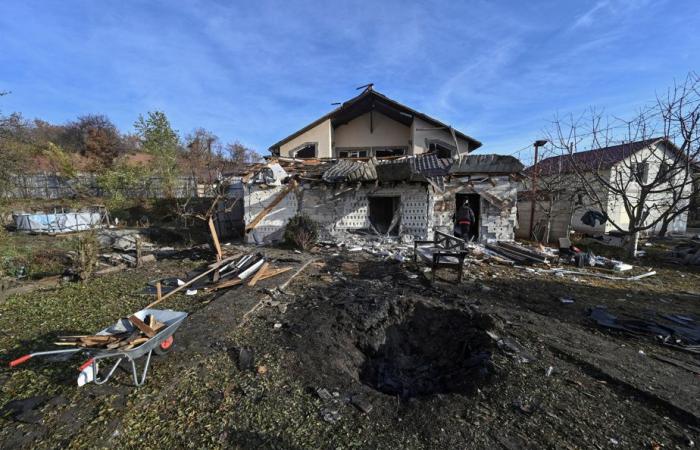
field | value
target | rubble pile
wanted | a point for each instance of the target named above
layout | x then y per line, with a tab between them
398	248
687	253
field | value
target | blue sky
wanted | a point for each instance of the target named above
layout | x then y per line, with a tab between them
256	71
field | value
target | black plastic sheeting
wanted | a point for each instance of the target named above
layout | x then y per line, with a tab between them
673	329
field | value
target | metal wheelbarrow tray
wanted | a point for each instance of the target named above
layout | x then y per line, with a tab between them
160	343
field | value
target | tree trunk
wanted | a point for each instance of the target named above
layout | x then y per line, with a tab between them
664	228
633	244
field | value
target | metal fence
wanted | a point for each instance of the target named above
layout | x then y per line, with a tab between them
53	186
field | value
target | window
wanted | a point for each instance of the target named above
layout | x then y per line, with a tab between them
639	171
664	171
305	151
353	153
441	149
389	152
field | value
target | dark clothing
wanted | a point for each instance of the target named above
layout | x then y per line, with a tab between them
464	231
463	222
465	214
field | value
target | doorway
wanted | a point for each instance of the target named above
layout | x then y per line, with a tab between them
381	214
475	204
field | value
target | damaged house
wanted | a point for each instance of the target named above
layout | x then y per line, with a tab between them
378	166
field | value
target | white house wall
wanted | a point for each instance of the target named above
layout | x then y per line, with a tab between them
321	134
653	157
269	229
383	132
422	132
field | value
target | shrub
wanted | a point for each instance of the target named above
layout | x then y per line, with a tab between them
301	232
88	251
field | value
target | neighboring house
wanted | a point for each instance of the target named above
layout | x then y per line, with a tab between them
377	166
372	124
562	203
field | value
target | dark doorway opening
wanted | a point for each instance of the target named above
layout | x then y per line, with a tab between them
384	214
475	205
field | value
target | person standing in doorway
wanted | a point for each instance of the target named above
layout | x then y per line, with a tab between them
463	221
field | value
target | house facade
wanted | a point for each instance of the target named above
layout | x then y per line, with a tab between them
562	203
376	166
373	125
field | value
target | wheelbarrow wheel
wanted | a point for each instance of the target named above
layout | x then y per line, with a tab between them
164	347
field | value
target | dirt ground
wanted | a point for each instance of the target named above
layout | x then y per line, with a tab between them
363	353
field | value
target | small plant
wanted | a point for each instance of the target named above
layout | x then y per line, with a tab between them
301	232
88	249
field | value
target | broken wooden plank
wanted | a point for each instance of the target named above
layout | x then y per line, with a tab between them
284	285
188	283
145	329
227	284
275	201
274	273
215	238
258	274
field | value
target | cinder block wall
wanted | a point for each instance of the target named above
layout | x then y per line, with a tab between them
342	208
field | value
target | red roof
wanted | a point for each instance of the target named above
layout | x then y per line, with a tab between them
600	158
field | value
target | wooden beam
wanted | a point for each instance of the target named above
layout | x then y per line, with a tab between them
262	214
284	285
274	273
188	283
215	238
141	325
258	274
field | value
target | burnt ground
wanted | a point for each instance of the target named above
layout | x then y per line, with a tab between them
362	353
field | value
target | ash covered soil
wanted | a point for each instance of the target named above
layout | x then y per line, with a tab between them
362	353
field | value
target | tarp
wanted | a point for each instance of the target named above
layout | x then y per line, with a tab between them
65	222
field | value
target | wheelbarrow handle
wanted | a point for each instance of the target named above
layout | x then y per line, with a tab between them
26	358
20	360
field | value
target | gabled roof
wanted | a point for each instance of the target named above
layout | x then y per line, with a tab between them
590	160
372	100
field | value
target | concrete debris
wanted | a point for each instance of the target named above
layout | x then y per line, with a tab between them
361	402
323	394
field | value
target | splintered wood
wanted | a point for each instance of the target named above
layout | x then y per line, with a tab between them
263	273
142	332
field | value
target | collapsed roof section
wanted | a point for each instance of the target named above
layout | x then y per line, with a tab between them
426	168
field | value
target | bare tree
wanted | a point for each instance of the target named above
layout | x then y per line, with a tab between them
654	155
555	194
203	149
239	155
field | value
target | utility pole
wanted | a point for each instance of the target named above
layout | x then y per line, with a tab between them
538	143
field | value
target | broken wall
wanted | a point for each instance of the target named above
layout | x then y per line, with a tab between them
339	208
498	206
270	229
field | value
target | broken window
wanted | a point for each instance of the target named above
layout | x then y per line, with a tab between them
384	214
388	152
353	153
441	149
305	151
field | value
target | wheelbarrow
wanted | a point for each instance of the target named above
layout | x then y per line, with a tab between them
161	344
